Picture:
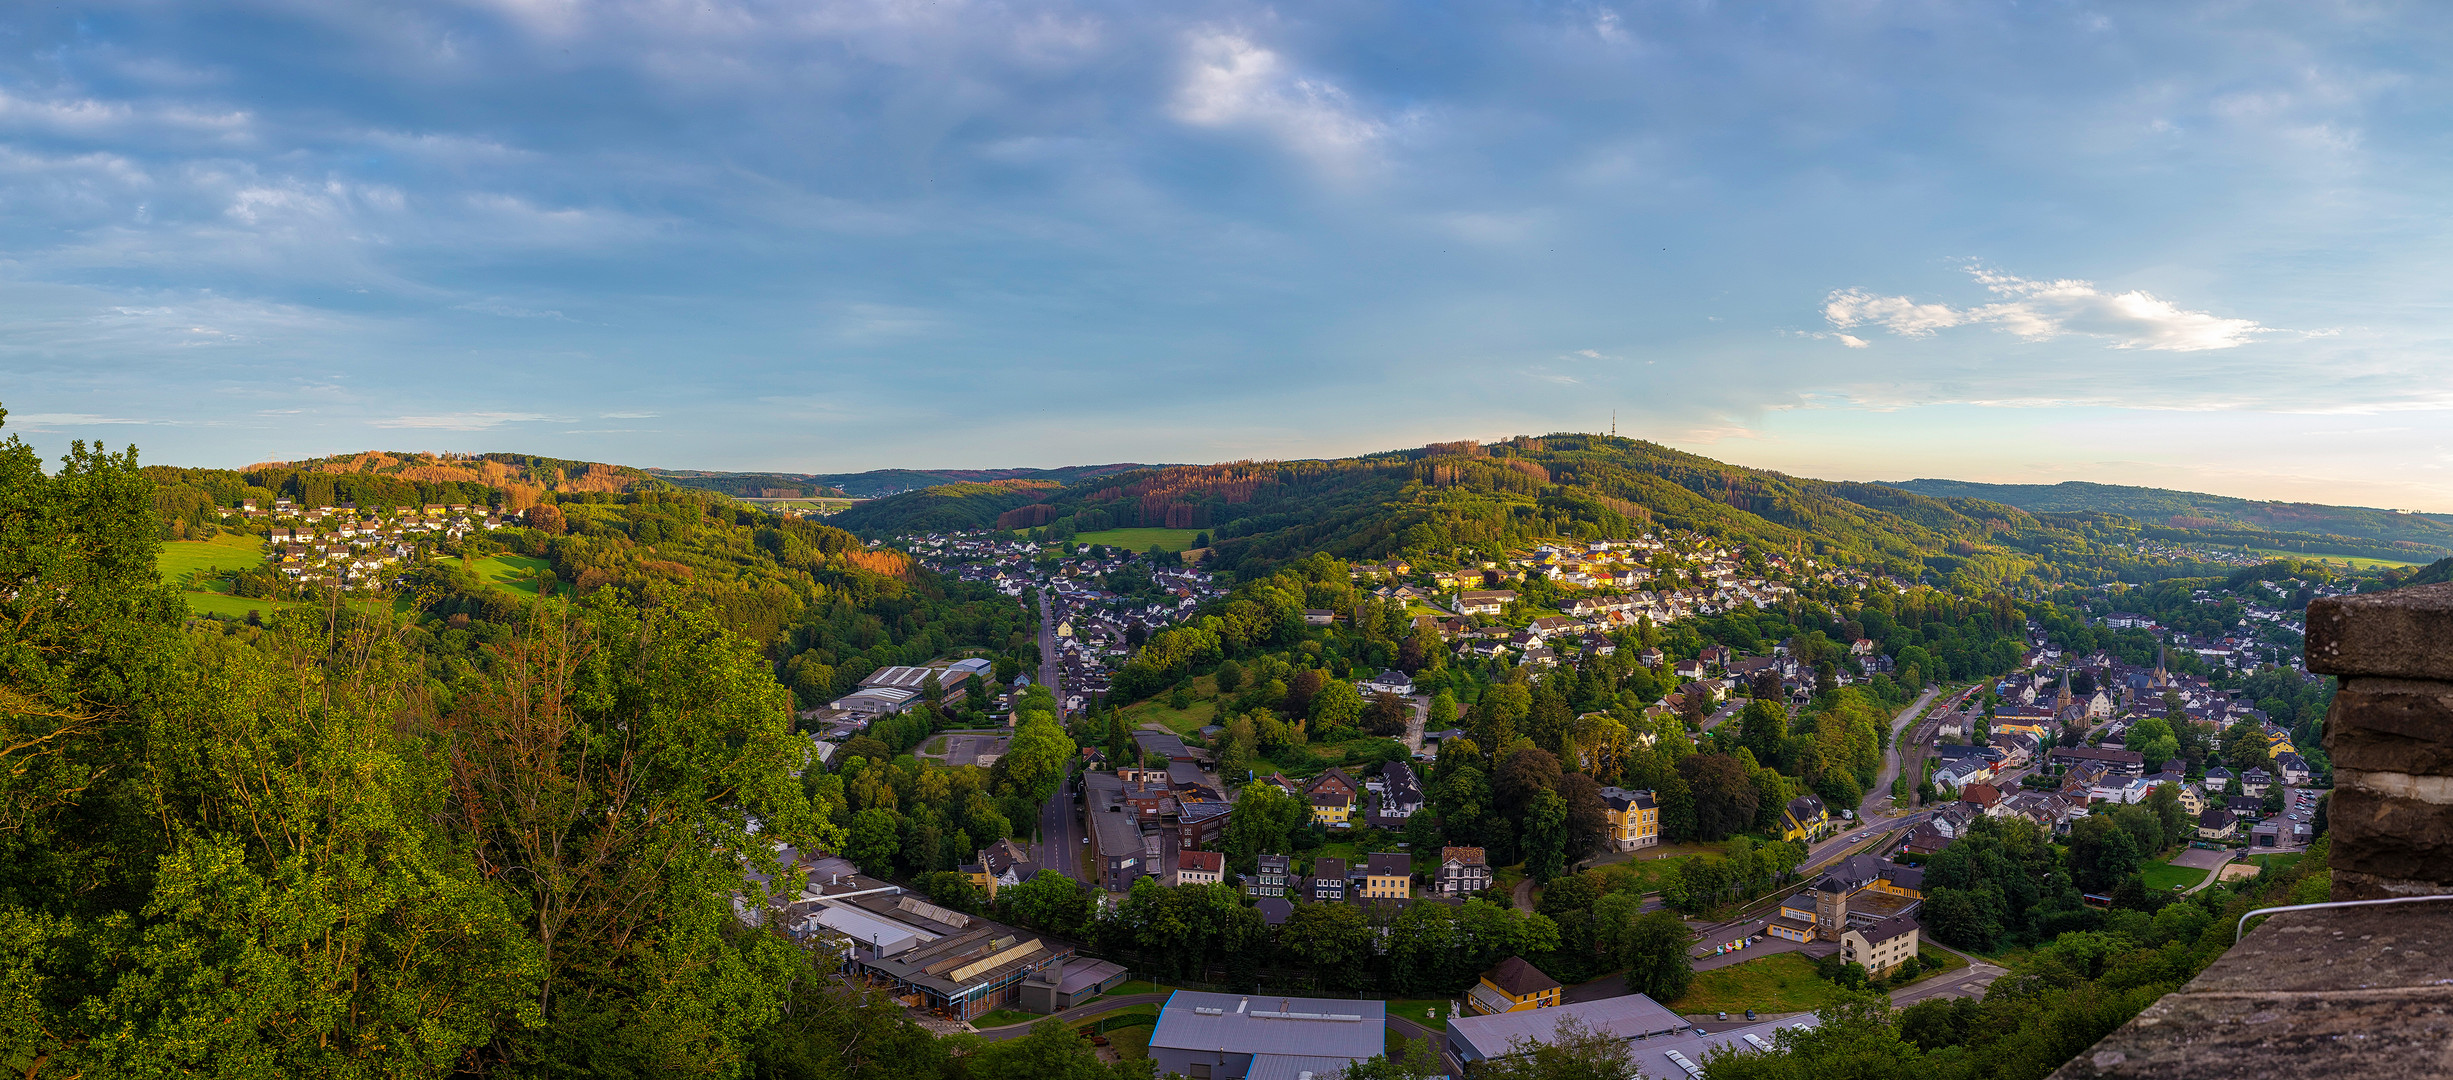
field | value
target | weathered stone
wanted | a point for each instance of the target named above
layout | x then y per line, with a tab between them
2411	708
2356	992
2353	885
2360	748
2401	634
2387	834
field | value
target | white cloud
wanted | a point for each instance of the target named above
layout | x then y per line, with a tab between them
2044	310
1231	82
56	420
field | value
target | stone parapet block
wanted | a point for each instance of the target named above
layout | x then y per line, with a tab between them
2394	825
2401	634
2392	725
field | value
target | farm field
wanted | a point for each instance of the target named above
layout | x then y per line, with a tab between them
1141	539
2360	561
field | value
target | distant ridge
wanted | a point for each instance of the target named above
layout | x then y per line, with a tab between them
2432	533
877	482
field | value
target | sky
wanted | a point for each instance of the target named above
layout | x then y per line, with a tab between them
2194	245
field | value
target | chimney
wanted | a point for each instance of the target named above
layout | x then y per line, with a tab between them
2390	733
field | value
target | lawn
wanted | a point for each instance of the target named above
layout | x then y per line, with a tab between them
1419	1011
2163	877
1781	982
1003	1018
1139	540
2280	864
182	557
513	573
2361	561
1180	721
1136	986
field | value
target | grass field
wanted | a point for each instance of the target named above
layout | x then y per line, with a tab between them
511	573
179	558
1419	1011
2161	877
1781	982
1181	721
1141	539
2278	863
182	557
2360	561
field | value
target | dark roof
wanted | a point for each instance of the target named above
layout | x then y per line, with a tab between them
1327	867
1389	864
1275	910
1805	806
1518	978
1888	928
2215	817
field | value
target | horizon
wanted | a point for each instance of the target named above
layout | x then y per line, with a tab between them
2188	248
1173	464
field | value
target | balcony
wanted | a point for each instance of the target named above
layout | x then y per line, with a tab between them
2346	993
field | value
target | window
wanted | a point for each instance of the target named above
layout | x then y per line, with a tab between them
1200	1070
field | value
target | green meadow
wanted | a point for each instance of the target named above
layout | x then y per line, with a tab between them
1141	539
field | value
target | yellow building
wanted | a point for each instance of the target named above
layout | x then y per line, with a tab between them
1388	876
1805	819
1332	808
1513	986
1635	818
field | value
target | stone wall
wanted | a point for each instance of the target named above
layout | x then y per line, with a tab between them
2390	734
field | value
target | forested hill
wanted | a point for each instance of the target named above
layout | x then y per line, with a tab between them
2420	536
877	482
1449	498
381	478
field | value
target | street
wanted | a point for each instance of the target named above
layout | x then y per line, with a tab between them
1060	834
1050	671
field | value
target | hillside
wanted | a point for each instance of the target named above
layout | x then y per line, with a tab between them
2305	527
1446	500
186	499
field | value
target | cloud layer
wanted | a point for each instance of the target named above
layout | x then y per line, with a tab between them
846	233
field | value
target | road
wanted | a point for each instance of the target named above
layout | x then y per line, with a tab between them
1969	981
1085	1011
1050	671
1061	832
1878	798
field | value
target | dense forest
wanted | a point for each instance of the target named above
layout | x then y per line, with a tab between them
2301	527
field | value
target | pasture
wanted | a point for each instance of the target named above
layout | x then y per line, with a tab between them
1140	539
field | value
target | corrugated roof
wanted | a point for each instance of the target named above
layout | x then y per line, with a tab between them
1269	1025
1626	1016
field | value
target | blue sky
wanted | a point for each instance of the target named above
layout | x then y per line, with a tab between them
2194	245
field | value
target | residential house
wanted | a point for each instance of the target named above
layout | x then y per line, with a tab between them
2254	781
2216	824
1513	986
1462	872
1805	818
2294	769
1388	682
1634	818
1199	868
1388	876
1271	876
1484	602
1328	879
